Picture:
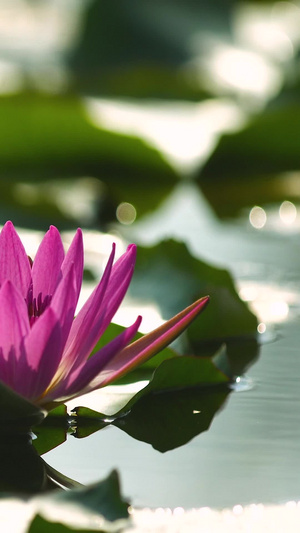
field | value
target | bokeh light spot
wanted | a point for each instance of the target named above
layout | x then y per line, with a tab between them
258	217
288	213
261	328
126	213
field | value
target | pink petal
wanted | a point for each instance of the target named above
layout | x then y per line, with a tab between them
84	333
14	263
46	267
150	344
14	326
64	301
75	255
96	314
81	381
14	323
118	284
43	348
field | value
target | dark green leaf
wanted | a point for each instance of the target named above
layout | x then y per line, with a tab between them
52	431
268	145
96	507
180	373
87	422
17	414
22	470
170	276
46	137
41	525
149	64
171	419
163	413
103	499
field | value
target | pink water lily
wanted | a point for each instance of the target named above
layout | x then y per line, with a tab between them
44	351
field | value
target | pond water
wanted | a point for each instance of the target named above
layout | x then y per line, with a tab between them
251	452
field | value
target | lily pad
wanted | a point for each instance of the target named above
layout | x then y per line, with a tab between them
151	63
103	499
161	413
52	431
170	276
40	524
268	145
96	507
51	137
17	414
22	470
171	419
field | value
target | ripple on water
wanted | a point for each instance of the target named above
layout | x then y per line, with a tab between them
242	384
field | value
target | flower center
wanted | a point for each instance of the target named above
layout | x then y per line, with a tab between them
36	306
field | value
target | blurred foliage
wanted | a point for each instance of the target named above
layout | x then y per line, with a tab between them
268	145
82	509
50	137
138	48
175	279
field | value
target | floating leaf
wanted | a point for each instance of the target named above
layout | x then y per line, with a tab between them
101	500
96	507
180	373
45	137
17	414
162	412
171	419
41	524
151	63
22	470
52	431
170	276
268	145
87	422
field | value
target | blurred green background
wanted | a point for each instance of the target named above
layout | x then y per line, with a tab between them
156	121
108	105
174	124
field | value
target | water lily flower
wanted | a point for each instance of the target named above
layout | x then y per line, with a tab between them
44	351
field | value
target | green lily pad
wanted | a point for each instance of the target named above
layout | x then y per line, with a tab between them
52	431
22	470
151	63
170	276
103	499
180	373
171	419
268	145
17	414
97	507
41	524
50	137
162	412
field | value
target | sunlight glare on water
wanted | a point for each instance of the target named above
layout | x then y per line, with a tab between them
243	70
270	303
185	132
